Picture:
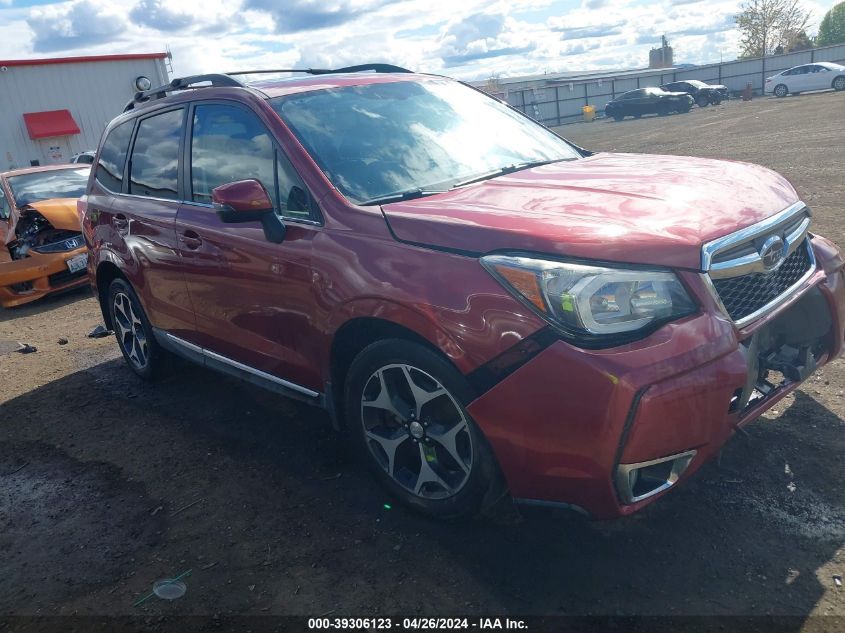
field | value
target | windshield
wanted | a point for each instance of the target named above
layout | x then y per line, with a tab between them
377	140
44	185
696	83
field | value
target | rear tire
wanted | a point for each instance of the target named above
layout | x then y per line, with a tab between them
405	414
839	83
781	91
133	331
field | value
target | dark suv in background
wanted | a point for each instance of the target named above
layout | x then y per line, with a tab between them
481	306
704	94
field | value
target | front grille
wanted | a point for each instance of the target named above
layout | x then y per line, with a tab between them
65	277
746	294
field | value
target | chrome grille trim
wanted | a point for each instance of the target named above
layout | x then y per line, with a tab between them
749	261
752	262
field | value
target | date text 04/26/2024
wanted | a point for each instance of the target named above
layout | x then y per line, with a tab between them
417	624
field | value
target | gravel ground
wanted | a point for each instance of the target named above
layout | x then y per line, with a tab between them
108	484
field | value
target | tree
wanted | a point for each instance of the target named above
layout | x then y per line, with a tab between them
799	41
768	24
832	28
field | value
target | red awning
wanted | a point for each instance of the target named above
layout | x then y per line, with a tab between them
51	123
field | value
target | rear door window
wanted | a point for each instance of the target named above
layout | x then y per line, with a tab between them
154	166
109	170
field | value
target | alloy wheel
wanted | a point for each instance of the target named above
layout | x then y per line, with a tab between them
130	331
416	431
839	83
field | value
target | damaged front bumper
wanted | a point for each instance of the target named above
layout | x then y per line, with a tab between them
37	275
609	431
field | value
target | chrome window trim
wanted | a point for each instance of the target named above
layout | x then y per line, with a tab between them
246	368
777	301
285	218
710	249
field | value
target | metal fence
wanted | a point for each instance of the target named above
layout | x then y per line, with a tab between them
559	101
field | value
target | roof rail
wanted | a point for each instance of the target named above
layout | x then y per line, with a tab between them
379	68
226	79
182	83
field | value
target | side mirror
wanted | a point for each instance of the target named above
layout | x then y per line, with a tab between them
248	201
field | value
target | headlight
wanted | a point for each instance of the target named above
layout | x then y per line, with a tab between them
590	300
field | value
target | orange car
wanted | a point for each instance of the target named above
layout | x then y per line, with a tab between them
41	247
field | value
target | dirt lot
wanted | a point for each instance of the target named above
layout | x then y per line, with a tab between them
108	484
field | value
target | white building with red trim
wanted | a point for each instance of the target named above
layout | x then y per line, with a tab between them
51	109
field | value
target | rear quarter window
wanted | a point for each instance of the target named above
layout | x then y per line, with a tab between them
109	169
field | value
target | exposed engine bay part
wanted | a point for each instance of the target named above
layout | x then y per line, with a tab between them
34	232
791	345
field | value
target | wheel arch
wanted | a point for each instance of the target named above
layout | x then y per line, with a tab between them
107	272
361	330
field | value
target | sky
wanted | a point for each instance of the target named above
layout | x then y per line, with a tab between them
469	39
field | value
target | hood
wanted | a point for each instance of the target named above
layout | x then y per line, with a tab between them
632	208
60	212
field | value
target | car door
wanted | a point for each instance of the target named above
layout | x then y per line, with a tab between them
819	77
138	202
253	298
650	102
633	102
798	78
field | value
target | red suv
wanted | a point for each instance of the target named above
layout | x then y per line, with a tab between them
483	307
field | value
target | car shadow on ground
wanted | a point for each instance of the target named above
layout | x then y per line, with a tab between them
253	490
46	304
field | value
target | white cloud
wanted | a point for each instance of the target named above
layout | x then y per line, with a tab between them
472	39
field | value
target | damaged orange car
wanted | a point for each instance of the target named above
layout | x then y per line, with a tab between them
41	247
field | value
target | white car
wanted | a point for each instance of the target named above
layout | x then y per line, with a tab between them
820	76
84	157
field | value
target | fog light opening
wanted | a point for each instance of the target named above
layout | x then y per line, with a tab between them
636	482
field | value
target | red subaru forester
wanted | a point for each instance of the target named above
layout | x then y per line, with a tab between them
483	307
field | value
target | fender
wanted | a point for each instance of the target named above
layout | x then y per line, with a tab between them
424	325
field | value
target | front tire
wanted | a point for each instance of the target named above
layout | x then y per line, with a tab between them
133	331
839	83
404	408
781	91
703	101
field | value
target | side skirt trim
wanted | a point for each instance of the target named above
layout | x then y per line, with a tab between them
226	365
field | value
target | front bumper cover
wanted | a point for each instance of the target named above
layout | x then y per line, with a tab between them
564	423
29	279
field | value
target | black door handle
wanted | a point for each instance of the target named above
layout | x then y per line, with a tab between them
191	240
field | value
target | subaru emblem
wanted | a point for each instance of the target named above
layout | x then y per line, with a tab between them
772	252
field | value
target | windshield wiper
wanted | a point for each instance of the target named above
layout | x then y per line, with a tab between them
412	194
508	169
